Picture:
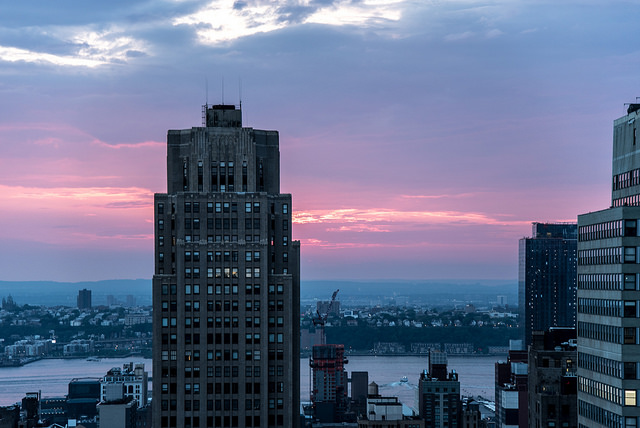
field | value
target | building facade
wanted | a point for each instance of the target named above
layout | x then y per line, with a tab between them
552	379
511	388
84	299
439	394
547	280
330	388
227	281
609	295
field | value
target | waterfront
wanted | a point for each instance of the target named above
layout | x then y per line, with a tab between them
52	376
476	375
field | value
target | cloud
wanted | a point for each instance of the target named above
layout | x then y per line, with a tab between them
219	22
72	46
395	218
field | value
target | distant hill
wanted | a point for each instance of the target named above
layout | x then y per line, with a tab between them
53	293
436	292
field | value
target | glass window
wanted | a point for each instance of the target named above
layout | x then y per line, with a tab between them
630	397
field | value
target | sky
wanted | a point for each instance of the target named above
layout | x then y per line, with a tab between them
419	139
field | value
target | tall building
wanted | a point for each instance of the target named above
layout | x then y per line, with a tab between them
227	281
329	393
608	293
439	394
552	379
84	299
547	278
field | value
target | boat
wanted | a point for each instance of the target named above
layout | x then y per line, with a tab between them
404	379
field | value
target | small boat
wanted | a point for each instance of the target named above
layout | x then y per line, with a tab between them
404	379
93	359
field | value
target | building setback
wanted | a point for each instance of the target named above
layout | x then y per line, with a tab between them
608	293
227	281
547	280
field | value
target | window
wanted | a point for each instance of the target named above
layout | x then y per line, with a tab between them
630	281
285	208
629	336
630	309
630	397
629	254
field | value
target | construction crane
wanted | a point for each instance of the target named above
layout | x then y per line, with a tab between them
320	319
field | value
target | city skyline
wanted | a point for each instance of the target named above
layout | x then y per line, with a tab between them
419	141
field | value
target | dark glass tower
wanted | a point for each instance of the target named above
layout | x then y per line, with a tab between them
227	281
547	278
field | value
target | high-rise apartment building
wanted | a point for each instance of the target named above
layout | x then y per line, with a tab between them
547	278
84	299
227	281
609	295
439	403
330	388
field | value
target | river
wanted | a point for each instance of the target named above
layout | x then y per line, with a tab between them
52	376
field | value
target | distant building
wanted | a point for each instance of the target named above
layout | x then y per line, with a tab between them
83	397
329	394
439	394
53	410
553	384
359	392
511	388
471	417
132	377
547	278
84	299
386	412
9	416
116	409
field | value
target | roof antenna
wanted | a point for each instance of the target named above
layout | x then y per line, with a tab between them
240	93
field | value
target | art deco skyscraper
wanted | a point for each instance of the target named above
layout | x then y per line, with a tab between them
609	294
227	281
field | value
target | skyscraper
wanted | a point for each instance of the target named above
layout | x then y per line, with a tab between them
84	299
227	281
608	293
547	278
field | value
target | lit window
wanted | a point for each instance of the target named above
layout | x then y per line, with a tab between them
630	397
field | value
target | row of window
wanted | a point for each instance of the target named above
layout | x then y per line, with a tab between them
631	201
607	229
217	371
222	207
607	281
211	239
626	179
620	370
607	392
604	333
600	415
217	421
602	365
605	256
608	307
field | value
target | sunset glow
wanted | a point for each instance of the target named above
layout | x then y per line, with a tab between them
419	140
